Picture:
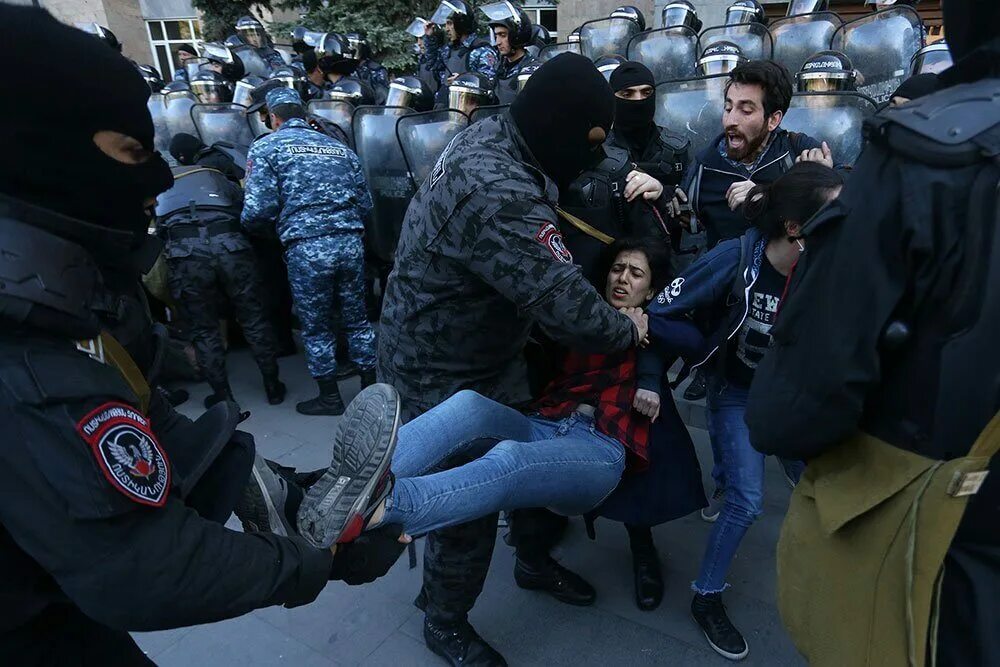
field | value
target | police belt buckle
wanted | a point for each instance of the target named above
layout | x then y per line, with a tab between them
967	483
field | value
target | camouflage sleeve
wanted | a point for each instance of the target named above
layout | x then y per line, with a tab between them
519	251
438	65
261	203
380	77
364	196
485	61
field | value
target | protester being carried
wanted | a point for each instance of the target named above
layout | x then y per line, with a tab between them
718	315
568	454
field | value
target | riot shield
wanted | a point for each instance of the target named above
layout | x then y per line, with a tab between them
222	122
692	108
607	37
179	113
669	53
252	61
835	118
157	105
755	40
506	90
374	131
423	136
485	112
798	37
553	50
337	112
881	45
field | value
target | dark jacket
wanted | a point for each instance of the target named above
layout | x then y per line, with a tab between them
710	176
665	156
213	158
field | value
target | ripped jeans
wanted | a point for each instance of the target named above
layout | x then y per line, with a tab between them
470	456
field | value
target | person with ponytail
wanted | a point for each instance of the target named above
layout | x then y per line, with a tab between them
717	315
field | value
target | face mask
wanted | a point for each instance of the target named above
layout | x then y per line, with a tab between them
632	116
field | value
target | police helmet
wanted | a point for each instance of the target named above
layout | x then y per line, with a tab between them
211	87
252	32
506	14
101	33
608	64
720	58
176	87
409	91
358	43
745	11
226	61
573	37
330	44
630	12
355	91
931	59
826	71
469	91
151	77
525	74
797	7
681	13
459	13
417	27
540	36
292	77
244	87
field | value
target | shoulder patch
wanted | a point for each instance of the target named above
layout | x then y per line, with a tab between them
672	291
306	149
127	452
550	237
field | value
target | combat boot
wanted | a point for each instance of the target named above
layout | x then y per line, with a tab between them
220	392
368	378
327	403
275	390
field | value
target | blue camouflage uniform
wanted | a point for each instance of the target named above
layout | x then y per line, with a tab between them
481	57
373	73
311	190
271	56
180	74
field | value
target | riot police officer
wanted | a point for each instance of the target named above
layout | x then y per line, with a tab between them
826	71
409	91
464	50
681	14
189	150
211	87
632	13
875	343
123	479
209	257
258	106
468	92
372	72
252	32
512	33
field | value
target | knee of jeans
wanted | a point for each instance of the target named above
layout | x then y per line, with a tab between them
467	399
748	503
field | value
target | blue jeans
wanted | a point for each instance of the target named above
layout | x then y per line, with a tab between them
470	456
739	471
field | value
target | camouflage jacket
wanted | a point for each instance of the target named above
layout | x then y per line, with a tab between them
303	183
508	70
373	73
480	260
479	56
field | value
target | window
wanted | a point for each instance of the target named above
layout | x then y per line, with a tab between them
166	36
544	15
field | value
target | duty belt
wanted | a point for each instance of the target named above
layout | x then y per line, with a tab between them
189	231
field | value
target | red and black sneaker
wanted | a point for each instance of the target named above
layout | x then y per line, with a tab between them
338	506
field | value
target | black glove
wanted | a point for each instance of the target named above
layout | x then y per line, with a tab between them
369	557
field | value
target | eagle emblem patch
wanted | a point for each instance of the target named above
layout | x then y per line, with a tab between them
127	452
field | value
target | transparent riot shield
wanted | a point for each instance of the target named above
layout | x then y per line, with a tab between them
692	108
222	122
485	112
669	53
423	136
881	45
607	37
796	38
337	112
157	105
755	40
252	61
374	130
179	113
835	118
552	50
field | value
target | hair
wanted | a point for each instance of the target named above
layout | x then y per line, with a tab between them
657	254
772	77
288	111
796	195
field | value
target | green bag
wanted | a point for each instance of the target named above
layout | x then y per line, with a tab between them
862	549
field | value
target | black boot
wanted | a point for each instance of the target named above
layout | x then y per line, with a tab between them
275	390
327	403
646	566
220	392
460	645
547	575
697	389
710	614
368	378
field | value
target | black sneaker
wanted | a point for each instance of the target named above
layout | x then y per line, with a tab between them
551	577
710	614
461	646
697	389
338	506
269	501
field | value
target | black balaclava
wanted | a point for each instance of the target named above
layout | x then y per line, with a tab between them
562	101
633	118
971	25
184	147
50	158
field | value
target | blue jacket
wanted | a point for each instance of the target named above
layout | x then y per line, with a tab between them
305	184
696	314
710	175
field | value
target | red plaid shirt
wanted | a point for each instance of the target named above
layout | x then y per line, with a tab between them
608	382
